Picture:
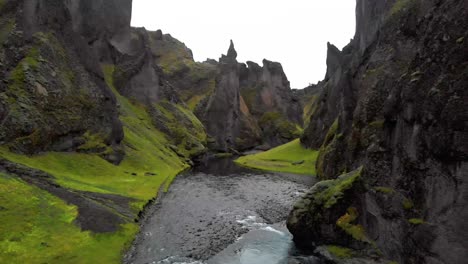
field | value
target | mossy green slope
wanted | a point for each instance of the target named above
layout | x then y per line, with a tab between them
37	227
291	157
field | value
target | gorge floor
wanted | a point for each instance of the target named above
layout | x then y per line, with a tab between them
221	213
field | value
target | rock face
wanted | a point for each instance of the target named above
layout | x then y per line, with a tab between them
53	90
57	59
395	102
267	93
226	122
241	106
58	56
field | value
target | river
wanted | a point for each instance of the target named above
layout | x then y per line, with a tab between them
219	213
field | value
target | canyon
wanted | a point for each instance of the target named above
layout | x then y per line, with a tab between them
97	119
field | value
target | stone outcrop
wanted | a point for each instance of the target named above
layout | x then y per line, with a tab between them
54	90
267	93
241	105
56	95
222	115
394	101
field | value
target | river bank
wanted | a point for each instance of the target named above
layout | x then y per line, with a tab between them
220	213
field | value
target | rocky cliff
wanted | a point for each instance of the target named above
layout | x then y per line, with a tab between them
96	117
242	106
51	95
55	97
393	111
267	94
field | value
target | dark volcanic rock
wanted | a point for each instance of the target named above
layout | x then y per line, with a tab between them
268	96
223	116
54	90
395	102
314	218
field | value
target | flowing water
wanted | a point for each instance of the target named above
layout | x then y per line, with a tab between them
219	213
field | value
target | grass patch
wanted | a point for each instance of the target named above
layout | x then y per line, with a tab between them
37	227
145	149
291	157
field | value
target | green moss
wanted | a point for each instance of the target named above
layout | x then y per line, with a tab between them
282	159
7	25
328	146
333	190
194	101
331	132
408	204
377	124
416	221
33	139
18	75
276	123
356	231
374	72
324	151
399	6
309	109
38	227
340	252
385	190
269	117
249	96
92	142
182	127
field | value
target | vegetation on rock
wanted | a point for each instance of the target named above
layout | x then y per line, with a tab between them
340	252
322	209
149	164
291	157
345	222
38	227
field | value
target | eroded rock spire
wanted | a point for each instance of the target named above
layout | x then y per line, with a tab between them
232	53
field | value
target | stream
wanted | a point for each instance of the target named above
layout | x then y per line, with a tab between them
219	213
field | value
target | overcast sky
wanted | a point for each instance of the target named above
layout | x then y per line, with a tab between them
293	32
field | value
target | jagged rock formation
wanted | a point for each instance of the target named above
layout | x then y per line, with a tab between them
308	98
68	97
221	112
242	107
395	102
95	117
267	94
56	94
52	95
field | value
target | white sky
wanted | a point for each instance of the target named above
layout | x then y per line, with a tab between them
293	32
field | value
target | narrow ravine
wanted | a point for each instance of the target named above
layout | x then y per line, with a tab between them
221	213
